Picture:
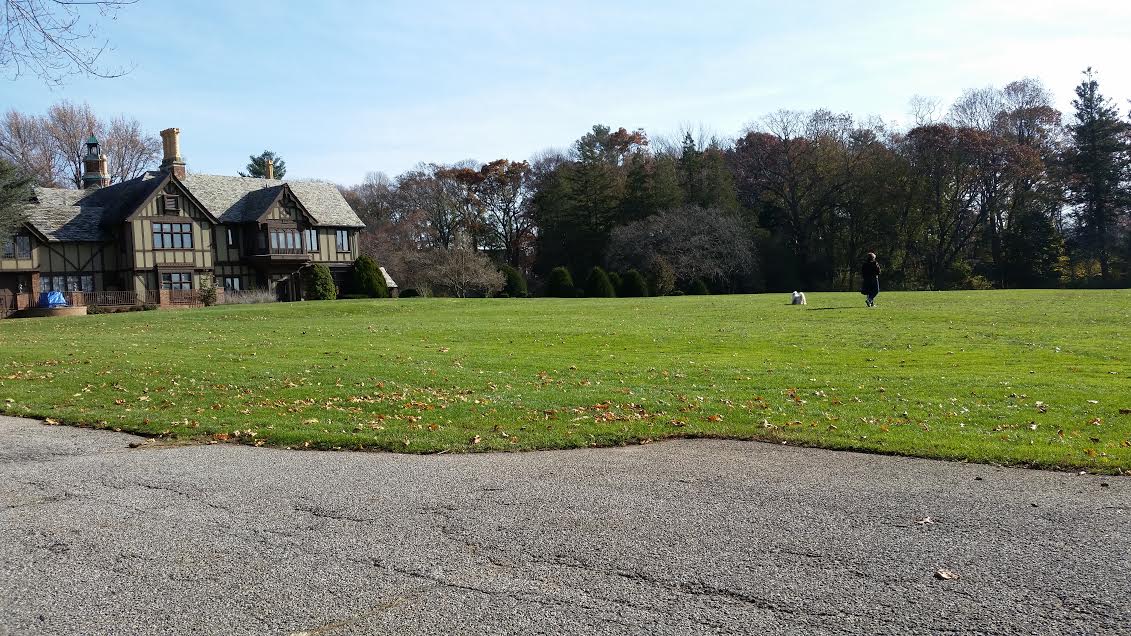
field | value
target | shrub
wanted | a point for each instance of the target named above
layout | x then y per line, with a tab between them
560	284
95	309
634	284
136	308
409	293
699	288
616	282
208	291
249	296
353	296
147	308
515	285
368	282
597	284
458	272
319	283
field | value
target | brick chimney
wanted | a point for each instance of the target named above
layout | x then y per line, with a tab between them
171	143
269	167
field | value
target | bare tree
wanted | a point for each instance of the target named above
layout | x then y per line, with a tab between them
129	152
68	125
978	108
53	39
23	142
924	110
459	272
51	149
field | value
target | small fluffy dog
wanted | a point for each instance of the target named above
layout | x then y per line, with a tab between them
798	298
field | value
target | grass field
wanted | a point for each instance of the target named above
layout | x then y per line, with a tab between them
1035	378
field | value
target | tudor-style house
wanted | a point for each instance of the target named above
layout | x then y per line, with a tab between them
161	235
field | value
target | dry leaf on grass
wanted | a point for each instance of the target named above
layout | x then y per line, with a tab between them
947	575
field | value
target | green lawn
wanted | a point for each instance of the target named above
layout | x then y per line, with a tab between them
1036	378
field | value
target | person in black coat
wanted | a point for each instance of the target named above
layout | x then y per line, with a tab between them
870	272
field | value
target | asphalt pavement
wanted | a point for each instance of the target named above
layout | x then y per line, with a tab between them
684	537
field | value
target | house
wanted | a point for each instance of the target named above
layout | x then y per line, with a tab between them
158	237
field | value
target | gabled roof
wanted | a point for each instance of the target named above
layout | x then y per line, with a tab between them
245	199
60	214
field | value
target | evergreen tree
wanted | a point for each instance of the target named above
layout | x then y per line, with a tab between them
319	283
634	284
15	190
598	285
616	282
699	288
515	285
1098	163
367	278
560	284
257	165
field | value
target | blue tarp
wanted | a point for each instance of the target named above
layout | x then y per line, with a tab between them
52	299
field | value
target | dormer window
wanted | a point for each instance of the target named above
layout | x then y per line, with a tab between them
172	203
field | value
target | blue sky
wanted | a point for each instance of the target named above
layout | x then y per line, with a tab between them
343	88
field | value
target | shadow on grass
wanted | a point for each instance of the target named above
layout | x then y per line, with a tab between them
831	308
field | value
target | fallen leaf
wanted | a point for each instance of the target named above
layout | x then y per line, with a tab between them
476	439
947	575
925	521
715	418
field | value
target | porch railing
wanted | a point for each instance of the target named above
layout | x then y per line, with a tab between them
112	298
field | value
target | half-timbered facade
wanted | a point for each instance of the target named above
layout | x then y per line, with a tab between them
167	232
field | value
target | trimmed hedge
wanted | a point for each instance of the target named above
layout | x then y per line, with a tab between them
616	282
597	284
319	283
560	284
634	284
367	278
515	286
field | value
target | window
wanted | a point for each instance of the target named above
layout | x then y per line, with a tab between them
343	240
232	283
181	281
18	246
67	283
172	236
171	203
284	240
231	237
310	239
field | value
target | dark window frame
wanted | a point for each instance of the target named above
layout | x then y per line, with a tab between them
342	237
232	283
17	246
177	281
166	236
310	239
67	282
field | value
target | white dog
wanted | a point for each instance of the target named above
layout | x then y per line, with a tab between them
798	298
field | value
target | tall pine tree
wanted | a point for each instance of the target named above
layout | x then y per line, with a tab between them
1098	163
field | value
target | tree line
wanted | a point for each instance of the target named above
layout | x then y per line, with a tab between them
1001	190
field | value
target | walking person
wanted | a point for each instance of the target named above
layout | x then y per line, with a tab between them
870	272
